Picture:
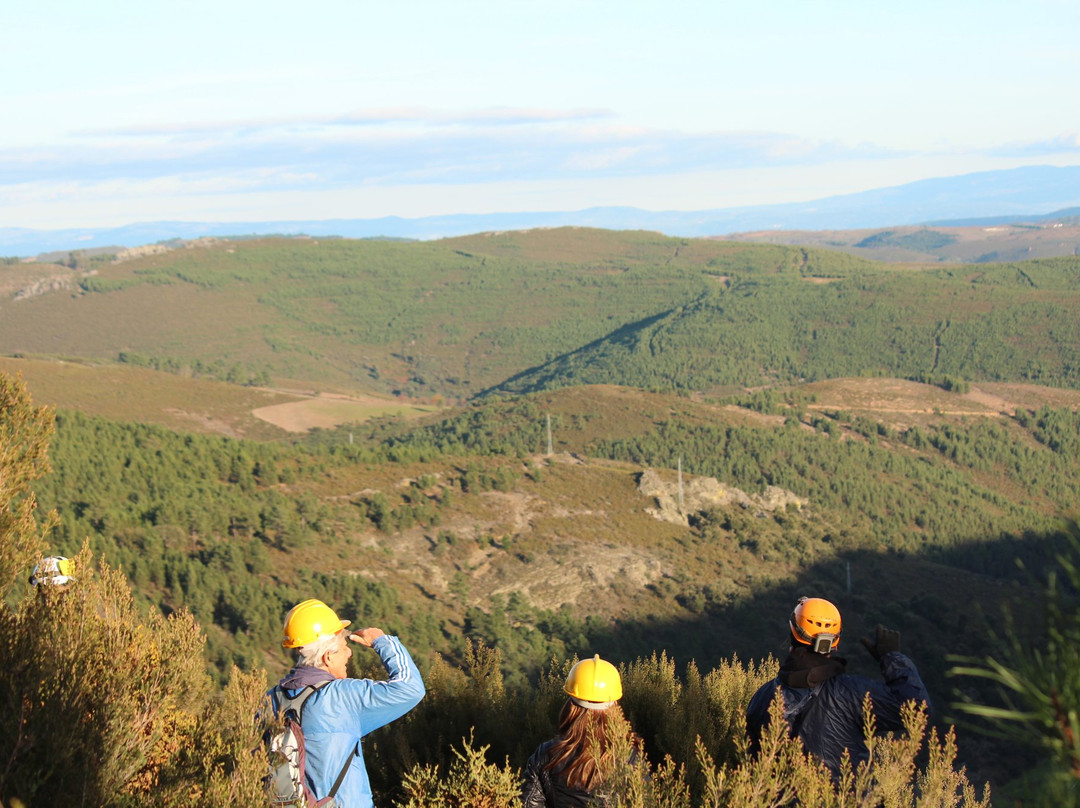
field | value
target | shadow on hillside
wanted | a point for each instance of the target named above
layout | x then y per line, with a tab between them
540	377
944	605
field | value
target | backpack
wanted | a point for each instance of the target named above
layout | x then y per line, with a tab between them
287	784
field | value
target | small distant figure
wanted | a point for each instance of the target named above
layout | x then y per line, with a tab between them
822	704
339	711
568	770
53	571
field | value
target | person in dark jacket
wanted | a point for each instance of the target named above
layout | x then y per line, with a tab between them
822	703
568	770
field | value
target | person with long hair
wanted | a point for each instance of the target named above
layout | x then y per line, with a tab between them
568	771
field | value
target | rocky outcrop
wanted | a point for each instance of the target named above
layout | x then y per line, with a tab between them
43	286
158	249
701	494
139	252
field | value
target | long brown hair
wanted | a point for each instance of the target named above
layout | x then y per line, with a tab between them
582	753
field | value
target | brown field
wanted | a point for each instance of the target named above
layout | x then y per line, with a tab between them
903	403
197	405
126	393
327	410
136	394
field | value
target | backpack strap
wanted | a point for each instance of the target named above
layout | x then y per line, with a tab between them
797	717
296	706
296	703
341	776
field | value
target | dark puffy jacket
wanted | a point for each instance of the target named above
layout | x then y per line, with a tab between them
545	789
823	706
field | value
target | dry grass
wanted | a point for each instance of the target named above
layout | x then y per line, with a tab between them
903	403
135	394
125	393
330	410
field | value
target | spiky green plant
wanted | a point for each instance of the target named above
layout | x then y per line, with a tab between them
1035	698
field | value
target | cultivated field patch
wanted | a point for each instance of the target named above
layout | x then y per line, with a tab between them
326	410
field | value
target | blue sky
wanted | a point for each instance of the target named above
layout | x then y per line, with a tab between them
118	112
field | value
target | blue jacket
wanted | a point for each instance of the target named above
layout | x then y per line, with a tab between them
824	708
339	714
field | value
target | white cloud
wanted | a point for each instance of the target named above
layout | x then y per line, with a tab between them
493	116
1064	143
406	145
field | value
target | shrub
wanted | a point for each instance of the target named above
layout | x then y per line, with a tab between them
470	782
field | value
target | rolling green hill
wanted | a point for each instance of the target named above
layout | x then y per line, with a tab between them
422	318
1005	323
992	241
526	311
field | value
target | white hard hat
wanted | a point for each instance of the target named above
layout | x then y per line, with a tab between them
54	570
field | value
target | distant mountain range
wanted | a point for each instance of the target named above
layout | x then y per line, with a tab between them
991	197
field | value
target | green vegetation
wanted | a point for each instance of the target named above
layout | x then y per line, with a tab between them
1037	690
385	314
113	703
491	557
234	532
533	311
1011	322
108	705
924	240
25	431
236	373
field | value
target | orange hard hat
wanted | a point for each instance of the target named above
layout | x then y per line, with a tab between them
816	622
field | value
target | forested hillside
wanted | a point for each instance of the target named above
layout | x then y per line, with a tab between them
418	318
527	311
1007	322
466	530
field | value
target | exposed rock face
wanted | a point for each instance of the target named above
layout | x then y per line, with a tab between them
44	286
158	249
706	493
138	252
550	585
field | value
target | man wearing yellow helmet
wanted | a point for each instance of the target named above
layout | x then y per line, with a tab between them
822	703
566	771
340	710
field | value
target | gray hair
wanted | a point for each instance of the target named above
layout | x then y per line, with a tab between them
312	653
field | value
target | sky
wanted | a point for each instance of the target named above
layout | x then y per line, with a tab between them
120	112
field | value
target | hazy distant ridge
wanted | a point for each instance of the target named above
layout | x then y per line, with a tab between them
999	195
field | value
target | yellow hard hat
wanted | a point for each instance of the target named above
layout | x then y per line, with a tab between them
310	621
594	684
816	622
